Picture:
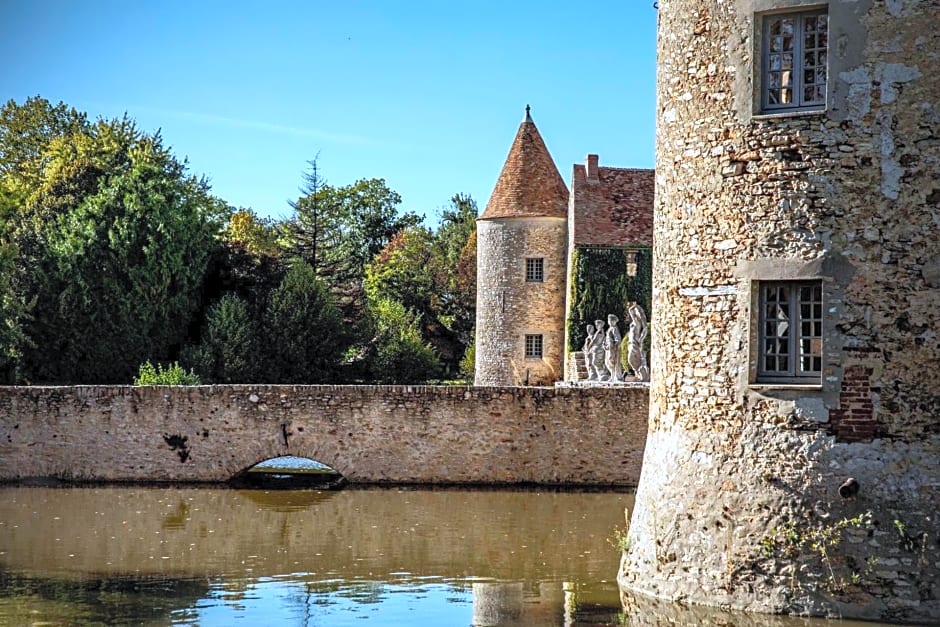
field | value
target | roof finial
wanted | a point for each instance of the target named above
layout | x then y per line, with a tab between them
528	118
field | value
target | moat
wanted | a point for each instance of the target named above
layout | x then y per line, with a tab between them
188	556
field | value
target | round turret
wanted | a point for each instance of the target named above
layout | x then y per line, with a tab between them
793	457
521	265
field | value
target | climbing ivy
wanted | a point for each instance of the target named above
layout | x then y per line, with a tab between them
600	285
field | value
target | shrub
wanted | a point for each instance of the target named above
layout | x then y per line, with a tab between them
173	374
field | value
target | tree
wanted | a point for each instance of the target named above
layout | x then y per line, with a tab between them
403	272
257	235
304	334
13	315
338	230
114	245
228	350
455	250
25	132
401	354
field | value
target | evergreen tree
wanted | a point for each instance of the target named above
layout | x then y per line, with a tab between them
304	333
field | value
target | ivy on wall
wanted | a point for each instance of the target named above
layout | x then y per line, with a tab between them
601	285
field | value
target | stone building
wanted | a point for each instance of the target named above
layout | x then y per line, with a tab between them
793	458
526	239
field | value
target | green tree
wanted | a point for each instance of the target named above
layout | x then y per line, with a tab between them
401	353
338	230
455	267
114	245
26	130
304	334
257	235
228	350
13	315
403	272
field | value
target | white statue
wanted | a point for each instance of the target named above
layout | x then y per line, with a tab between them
636	336
612	350
586	351
594	353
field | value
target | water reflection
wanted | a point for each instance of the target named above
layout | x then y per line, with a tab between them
388	557
205	556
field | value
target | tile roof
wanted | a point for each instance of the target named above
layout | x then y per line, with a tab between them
529	184
612	208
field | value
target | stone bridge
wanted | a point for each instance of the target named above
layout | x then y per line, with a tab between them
370	434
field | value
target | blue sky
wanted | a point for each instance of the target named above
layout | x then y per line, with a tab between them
427	95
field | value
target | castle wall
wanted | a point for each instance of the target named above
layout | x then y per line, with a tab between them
508	307
741	479
370	434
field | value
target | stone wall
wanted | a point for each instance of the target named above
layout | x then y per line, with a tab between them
508	307
741	478
370	434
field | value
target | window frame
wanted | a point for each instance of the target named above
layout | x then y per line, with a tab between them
535	269
798	69
534	340
801	345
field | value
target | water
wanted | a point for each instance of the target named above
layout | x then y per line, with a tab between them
162	556
200	556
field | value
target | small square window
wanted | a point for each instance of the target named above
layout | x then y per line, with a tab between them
793	61
534	269
533	346
790	338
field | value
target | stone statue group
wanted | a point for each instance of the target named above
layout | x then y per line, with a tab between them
602	348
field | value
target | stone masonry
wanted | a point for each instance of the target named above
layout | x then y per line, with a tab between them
524	219
370	434
743	478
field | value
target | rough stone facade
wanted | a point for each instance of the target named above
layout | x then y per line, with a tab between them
741	479
509	307
524	219
370	434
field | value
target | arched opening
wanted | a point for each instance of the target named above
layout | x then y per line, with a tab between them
289	472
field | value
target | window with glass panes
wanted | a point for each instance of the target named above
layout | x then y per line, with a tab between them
534	269
795	49
533	346
790	338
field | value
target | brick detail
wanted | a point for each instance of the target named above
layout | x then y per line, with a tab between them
855	421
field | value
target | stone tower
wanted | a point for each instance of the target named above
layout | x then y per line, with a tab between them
795	397
521	239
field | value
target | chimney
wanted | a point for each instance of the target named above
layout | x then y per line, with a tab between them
591	167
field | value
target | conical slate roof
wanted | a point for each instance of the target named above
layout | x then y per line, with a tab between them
529	185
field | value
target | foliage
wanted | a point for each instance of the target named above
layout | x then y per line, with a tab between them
173	374
228	352
256	235
426	271
338	230
14	311
401	272
401	355
114	246
600	286
468	362
26	131
304	334
792	540
455	266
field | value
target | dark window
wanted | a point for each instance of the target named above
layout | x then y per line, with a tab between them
533	346
790	338
534	269
795	49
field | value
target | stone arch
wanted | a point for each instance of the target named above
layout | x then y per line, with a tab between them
289	471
